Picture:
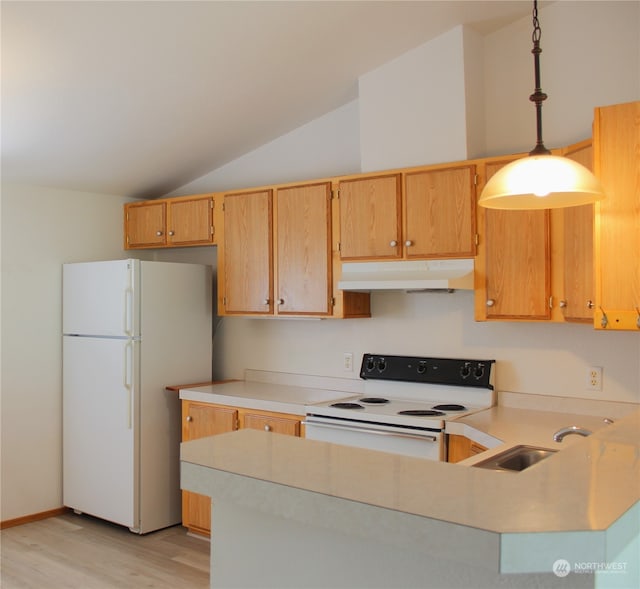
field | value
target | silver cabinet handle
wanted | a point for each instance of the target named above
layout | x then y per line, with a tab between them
280	301
393	243
189	418
491	302
408	243
265	302
158	233
267	428
172	232
563	304
590	304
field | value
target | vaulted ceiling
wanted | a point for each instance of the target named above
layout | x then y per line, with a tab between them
138	98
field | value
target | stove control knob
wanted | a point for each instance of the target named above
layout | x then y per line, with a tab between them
370	365
479	371
465	371
422	368
382	365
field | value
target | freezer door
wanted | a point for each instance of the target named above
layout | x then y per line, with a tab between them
101	298
100	428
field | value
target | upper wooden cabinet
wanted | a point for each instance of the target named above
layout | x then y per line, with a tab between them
433	217
276	256
616	142
513	267
245	259
439	214
173	222
190	221
303	249
576	225
370	217
145	224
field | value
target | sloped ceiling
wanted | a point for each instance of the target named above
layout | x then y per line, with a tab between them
139	98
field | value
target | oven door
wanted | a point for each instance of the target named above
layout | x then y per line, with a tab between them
420	443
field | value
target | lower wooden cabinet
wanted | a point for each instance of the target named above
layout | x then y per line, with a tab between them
198	421
461	447
272	422
207	419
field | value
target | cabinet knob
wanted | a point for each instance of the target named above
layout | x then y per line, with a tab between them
491	302
590	304
280	301
267	428
563	304
172	232
408	243
189	418
393	243
265	302
158	233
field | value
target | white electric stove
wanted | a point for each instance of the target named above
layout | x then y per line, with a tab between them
406	404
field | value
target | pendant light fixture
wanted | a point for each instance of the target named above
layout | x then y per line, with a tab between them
541	180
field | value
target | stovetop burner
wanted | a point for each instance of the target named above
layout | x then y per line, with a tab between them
421	412
450	407
374	400
347	405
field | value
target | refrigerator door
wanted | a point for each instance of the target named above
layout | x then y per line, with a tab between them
99	433
101	298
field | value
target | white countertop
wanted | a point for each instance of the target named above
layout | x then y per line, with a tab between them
584	487
266	396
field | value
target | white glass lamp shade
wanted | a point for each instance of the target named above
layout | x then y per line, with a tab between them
541	182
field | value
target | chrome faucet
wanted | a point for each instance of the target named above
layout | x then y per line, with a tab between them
573	429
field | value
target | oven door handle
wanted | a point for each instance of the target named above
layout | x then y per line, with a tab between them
369	430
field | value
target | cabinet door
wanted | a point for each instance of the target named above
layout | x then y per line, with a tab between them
370	218
248	260
578	260
439	213
617	164
145	224
191	221
517	263
461	448
272	423
303	249
200	420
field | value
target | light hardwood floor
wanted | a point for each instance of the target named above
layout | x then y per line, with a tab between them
80	552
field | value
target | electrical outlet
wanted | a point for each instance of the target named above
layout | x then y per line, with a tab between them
594	378
347	362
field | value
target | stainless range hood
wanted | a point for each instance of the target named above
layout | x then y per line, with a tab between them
413	275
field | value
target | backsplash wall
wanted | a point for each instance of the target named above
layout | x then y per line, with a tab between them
531	358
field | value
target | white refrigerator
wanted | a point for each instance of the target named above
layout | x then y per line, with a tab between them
130	328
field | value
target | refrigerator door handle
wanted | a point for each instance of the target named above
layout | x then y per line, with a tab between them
128	311
128	378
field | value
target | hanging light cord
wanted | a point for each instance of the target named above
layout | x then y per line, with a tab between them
538	96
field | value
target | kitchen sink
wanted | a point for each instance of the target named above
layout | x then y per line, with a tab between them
516	459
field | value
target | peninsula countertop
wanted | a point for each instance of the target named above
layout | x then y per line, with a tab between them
586	486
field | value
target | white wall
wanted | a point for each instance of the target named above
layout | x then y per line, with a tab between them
41	229
332	139
590	57
412	109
